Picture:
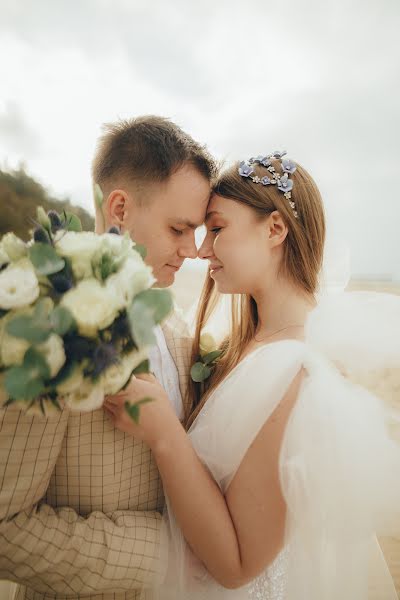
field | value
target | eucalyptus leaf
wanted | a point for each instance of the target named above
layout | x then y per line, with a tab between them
158	301
142	323
36	363
98	195
45	259
144	367
72	222
133	410
62	320
27	328
211	356
140	249
200	372
21	384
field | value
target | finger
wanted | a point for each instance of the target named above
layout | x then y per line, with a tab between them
116	399
147	377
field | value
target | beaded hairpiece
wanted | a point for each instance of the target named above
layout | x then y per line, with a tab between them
282	182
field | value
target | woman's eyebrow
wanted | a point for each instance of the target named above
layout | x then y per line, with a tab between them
211	213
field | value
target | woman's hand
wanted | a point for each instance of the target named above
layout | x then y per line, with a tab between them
157	419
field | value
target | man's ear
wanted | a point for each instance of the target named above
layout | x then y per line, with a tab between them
277	229
116	207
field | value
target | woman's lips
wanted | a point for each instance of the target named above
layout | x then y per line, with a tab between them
214	269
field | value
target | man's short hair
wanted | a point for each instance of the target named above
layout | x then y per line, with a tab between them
147	149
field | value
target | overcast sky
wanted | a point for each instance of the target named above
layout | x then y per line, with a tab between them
320	79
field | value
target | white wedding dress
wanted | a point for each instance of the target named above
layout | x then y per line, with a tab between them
340	470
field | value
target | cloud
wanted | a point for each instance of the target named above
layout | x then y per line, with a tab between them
320	79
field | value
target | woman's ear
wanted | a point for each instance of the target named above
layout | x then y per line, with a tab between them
277	229
116	207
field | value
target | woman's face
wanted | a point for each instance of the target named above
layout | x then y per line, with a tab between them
237	246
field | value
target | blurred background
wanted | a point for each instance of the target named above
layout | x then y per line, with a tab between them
319	79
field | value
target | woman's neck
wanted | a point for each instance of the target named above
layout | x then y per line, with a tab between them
281	308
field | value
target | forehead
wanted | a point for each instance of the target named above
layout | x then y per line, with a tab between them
184	196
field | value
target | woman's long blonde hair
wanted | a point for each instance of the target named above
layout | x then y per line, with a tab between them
301	264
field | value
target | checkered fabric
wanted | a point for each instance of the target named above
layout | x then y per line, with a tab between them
81	502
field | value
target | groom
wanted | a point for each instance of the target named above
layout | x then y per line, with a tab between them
80	502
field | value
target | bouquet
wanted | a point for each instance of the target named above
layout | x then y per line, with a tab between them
77	314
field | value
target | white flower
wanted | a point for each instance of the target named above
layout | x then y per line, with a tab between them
133	277
92	305
19	285
4	258
87	397
116	376
207	343
79	247
53	351
72	383
14	247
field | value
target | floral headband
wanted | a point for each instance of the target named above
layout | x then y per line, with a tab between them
282	182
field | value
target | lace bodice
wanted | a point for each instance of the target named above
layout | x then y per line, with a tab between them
271	584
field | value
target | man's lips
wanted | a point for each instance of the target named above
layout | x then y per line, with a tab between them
176	267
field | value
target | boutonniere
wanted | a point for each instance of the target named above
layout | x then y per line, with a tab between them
209	355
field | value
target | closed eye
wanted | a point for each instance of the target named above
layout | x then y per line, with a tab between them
177	231
216	229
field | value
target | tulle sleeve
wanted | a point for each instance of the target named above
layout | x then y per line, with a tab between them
340	479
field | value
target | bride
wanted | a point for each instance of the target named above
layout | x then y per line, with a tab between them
284	471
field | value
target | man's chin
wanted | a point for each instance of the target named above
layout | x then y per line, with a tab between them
165	281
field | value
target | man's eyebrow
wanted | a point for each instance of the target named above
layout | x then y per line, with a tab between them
210	214
188	223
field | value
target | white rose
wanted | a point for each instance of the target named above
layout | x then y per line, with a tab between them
133	277
4	258
116	376
92	305
19	285
14	247
86	398
53	351
207	343
71	383
80	247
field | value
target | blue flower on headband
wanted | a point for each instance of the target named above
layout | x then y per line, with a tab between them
245	170
265	180
285	184
278	154
288	166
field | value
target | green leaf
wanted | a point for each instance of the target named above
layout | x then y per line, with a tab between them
133	410
158	301
144	367
20	385
98	195
36	363
27	381
62	320
140	249
142	323
200	372
27	328
45	259
72	222
211	356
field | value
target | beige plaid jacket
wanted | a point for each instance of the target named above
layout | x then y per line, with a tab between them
81	502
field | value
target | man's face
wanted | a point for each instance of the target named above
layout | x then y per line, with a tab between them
166	220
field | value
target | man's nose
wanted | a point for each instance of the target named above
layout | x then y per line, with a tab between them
188	249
